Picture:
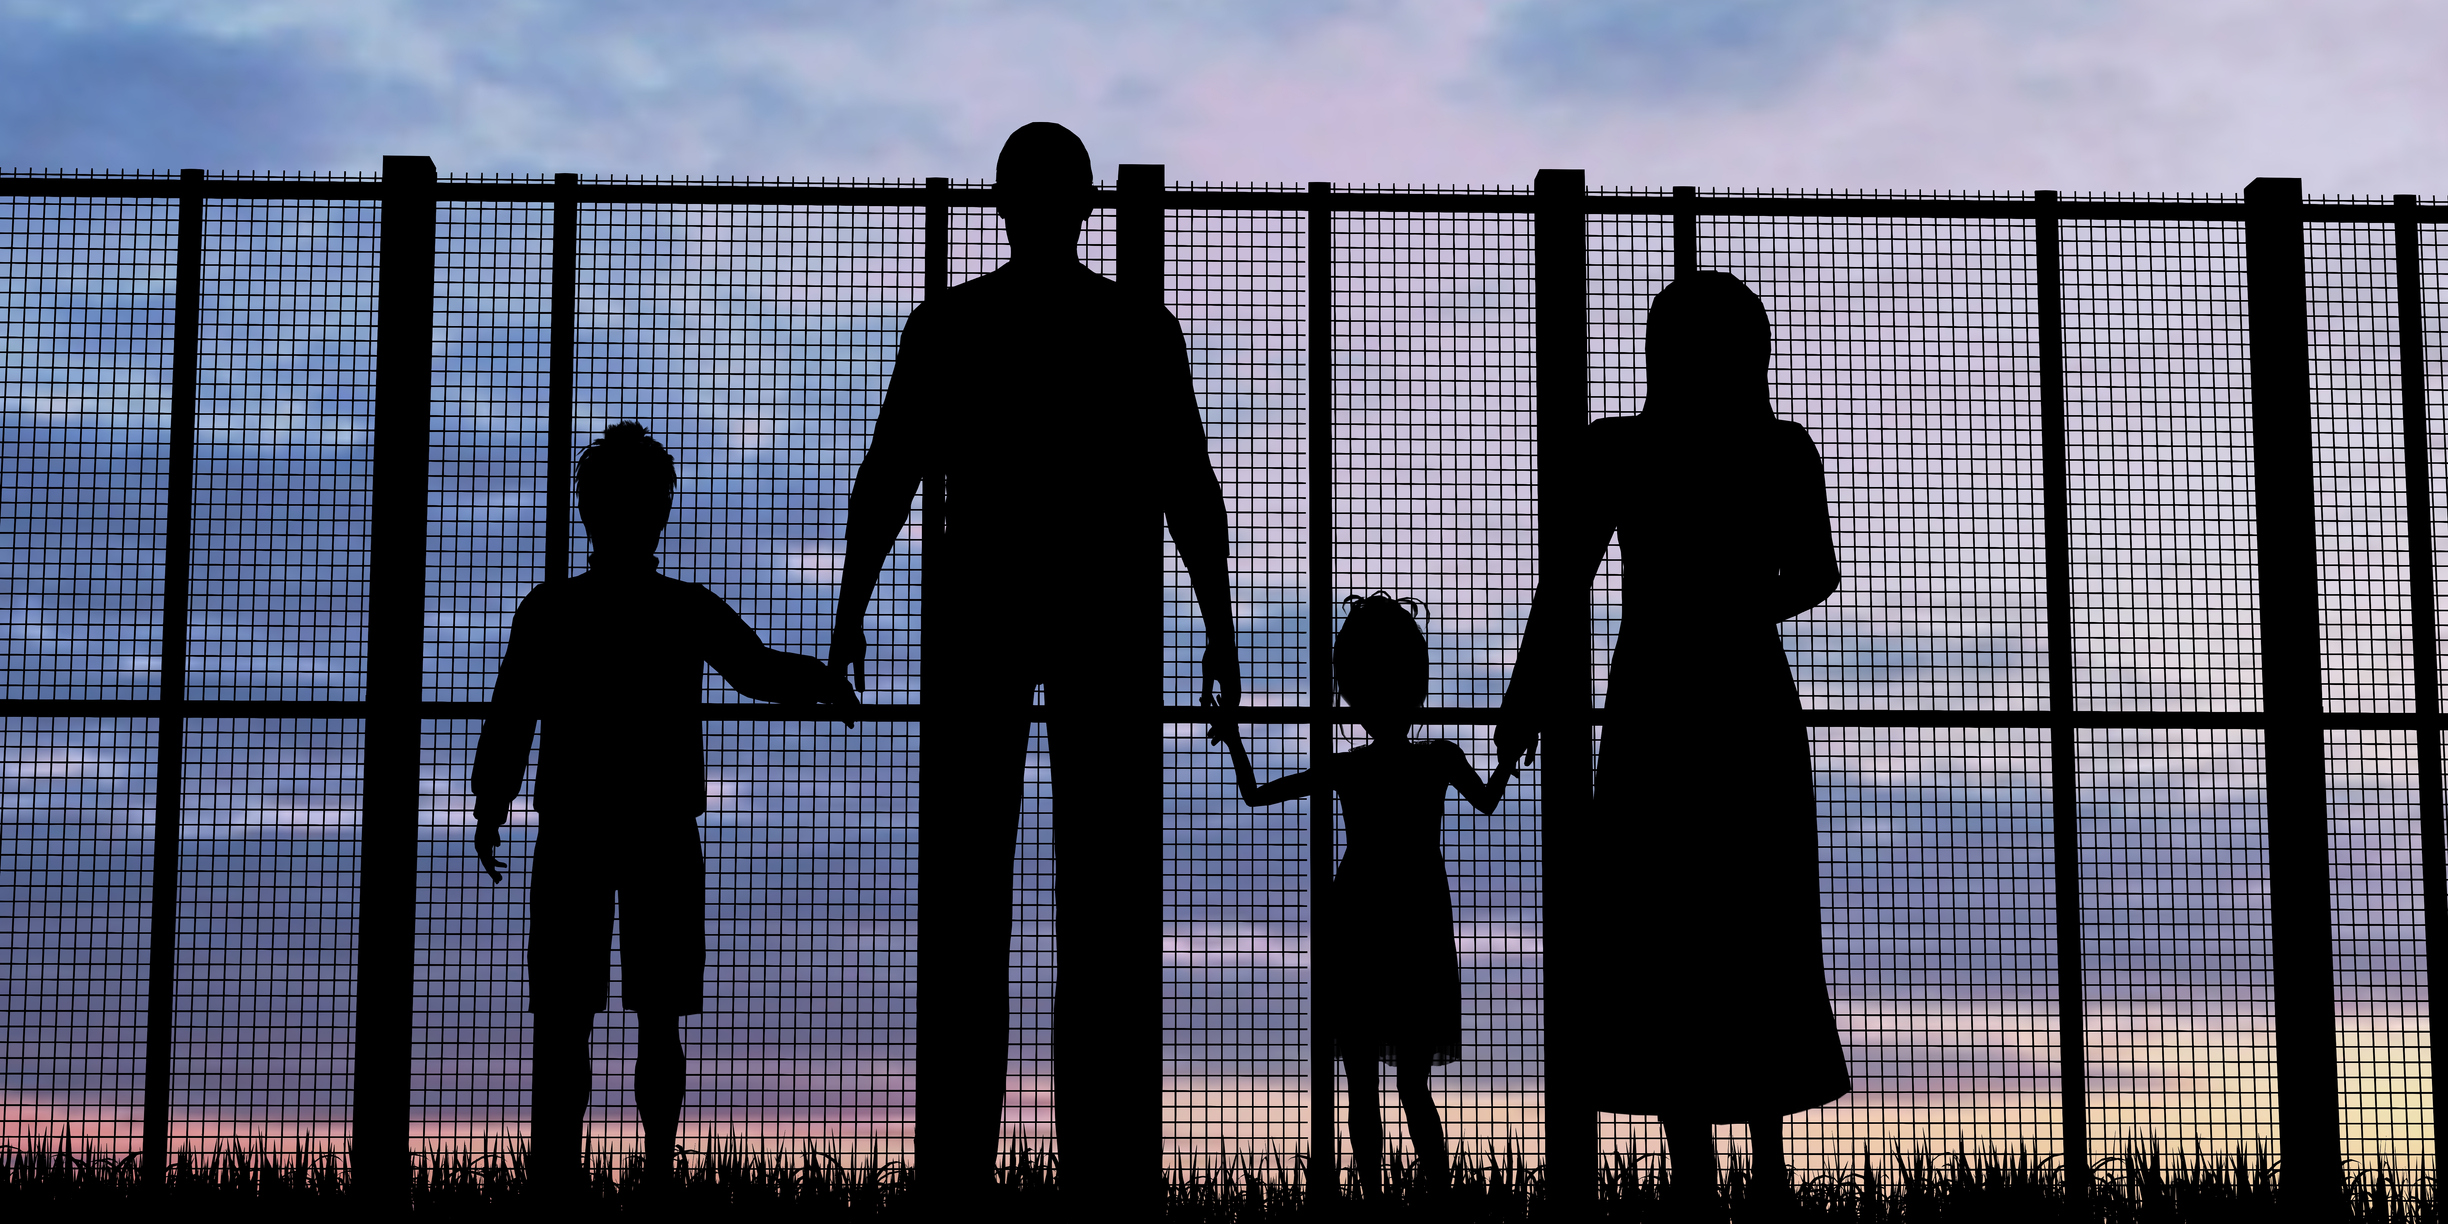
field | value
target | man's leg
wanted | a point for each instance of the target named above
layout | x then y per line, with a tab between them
974	756
660	1086
1105	733
560	1081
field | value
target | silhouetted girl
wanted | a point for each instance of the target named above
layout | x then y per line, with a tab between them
1388	985
1713	1000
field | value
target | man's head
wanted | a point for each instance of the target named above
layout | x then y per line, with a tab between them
625	483
1043	186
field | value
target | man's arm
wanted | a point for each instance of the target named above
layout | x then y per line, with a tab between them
880	498
1194	511
500	769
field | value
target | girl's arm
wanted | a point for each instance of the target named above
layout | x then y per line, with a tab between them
1290	786
1464	777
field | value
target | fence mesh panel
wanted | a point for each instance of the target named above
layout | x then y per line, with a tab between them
756	340
85	348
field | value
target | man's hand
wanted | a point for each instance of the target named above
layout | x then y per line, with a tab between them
849	656
1221	667
488	839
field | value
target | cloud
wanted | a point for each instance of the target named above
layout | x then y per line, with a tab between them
2097	95
1677	51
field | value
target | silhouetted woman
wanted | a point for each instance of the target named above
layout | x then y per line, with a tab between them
1388	984
1714	1001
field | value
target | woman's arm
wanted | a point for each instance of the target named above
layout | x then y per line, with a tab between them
1805	543
1558	630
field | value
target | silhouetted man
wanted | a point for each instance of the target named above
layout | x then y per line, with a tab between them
1058	412
613	661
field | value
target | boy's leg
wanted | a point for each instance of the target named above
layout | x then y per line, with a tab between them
569	968
661	1086
560	1081
1411	1068
1367	1130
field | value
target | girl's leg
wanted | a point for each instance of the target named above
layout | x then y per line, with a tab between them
1367	1132
1411	1066
1691	1147
661	1085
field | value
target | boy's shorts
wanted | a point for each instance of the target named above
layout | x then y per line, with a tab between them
658	882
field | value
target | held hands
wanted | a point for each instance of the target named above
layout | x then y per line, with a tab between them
834	688
1516	744
1225	731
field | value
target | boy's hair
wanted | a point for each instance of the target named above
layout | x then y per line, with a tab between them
624	463
1381	657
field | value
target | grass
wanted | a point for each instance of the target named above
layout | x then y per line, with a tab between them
2145	1183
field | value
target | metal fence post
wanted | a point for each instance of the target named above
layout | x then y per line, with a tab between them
1136	867
1561	239
2297	790
1686	231
938	278
1325	1158
170	728
2421	583
559	423
2065	760
395	678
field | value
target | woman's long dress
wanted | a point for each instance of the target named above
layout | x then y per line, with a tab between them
1713	995
1387	975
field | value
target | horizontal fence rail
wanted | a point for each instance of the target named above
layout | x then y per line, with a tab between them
2126	720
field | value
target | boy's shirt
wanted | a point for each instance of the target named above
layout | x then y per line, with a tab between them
613	662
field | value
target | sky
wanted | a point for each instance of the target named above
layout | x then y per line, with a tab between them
2076	95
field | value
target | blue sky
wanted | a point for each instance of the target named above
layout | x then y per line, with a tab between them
2083	95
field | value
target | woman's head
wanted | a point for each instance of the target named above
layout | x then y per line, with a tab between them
625	483
1381	659
1709	337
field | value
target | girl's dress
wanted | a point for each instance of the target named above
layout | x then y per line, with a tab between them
1386	973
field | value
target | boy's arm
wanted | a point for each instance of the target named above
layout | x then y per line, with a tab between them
762	673
500	769
880	498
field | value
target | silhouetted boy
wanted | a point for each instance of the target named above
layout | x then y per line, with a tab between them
1058	412
613	662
